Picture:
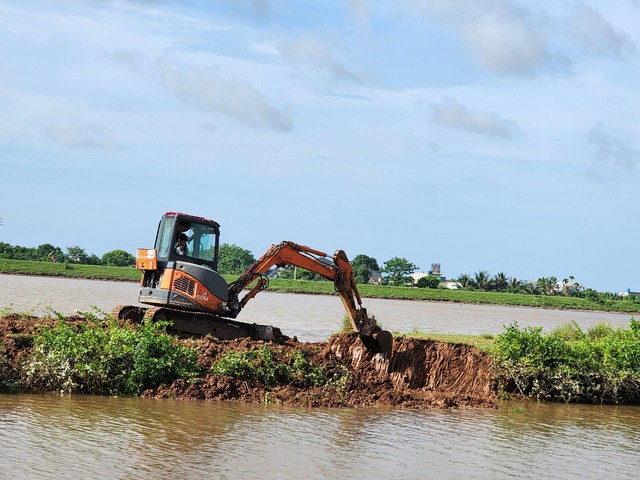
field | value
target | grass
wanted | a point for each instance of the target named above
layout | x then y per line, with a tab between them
482	342
627	305
101	272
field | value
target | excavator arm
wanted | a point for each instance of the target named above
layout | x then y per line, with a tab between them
375	339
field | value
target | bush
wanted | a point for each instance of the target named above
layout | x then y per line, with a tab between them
569	365
105	358
429	281
262	366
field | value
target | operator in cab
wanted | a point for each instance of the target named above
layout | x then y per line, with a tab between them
181	244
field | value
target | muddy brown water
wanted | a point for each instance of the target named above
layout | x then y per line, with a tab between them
61	437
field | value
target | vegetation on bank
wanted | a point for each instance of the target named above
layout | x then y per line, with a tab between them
262	365
50	253
100	356
72	270
601	365
599	303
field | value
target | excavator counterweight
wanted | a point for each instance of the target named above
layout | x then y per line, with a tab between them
181	282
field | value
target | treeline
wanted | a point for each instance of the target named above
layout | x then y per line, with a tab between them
550	286
74	254
235	260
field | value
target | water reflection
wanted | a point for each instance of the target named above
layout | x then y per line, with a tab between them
49	436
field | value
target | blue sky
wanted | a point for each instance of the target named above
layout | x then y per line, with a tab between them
488	135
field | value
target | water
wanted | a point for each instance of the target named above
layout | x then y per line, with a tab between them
59	437
309	317
62	437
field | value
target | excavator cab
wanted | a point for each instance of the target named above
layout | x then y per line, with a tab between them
183	274
202	239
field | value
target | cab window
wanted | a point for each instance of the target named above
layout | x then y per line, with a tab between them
165	240
202	243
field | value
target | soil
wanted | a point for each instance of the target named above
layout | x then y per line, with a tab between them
420	374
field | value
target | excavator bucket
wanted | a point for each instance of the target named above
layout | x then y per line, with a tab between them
379	342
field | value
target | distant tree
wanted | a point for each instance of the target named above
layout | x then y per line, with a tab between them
398	271
234	260
93	260
6	250
514	285
428	281
293	272
571	288
23	253
76	254
547	285
481	280
530	287
499	282
465	280
118	258
47	253
362	266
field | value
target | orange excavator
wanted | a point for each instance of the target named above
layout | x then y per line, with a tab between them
181	282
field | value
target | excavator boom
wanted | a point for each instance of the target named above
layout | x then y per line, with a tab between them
340	272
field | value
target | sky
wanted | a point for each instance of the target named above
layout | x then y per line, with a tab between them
492	135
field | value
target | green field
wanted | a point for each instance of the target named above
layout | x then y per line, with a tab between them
627	305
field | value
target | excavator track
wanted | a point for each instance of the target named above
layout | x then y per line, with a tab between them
199	323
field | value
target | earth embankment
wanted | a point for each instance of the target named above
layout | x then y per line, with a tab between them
420	374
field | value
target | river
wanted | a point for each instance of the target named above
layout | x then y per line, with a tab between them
50	436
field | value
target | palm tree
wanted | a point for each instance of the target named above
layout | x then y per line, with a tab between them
514	285
530	287
499	282
464	280
547	285
481	280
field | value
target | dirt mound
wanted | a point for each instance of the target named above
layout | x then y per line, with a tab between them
419	374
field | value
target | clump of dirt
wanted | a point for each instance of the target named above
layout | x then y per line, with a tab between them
420	374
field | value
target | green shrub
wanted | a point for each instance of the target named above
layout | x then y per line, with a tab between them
428	281
105	358
262	366
569	365
599	331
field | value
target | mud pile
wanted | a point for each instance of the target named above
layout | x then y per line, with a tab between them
420	374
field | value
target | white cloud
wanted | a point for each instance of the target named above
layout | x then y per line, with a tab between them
613	149
82	136
452	114
595	34
311	51
206	90
506	45
503	36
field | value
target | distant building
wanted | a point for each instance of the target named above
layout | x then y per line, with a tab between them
418	275
629	293
444	283
375	278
